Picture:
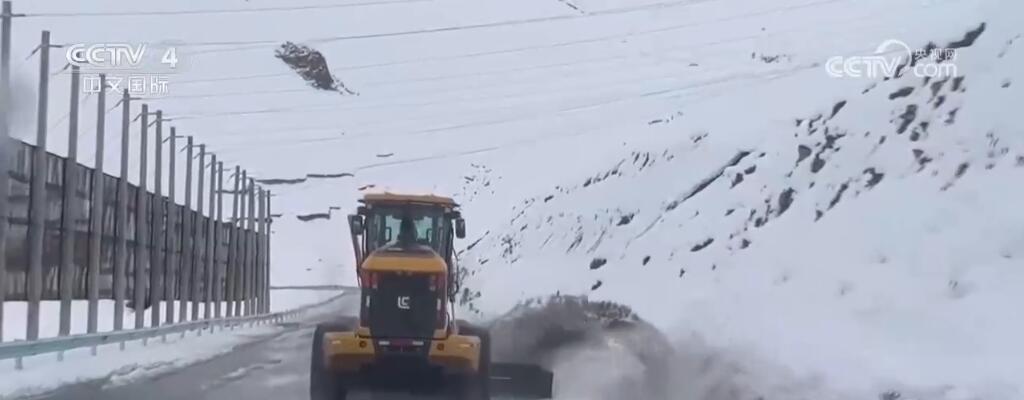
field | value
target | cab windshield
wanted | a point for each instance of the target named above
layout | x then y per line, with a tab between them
407	228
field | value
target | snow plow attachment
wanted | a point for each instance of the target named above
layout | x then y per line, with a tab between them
521	381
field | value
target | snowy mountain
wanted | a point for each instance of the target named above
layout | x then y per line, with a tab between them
802	235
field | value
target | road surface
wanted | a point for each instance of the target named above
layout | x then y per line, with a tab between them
270	366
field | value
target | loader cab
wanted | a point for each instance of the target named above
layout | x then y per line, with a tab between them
408	229
404	249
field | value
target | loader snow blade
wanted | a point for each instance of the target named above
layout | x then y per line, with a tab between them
521	381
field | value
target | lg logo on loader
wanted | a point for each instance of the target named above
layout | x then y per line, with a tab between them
403	302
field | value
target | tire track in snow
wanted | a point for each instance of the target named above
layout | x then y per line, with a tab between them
240	374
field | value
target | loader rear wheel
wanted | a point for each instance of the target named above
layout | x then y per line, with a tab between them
477	387
323	384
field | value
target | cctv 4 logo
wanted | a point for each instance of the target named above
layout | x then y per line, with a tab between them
115	56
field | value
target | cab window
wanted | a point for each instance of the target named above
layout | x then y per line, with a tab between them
423	226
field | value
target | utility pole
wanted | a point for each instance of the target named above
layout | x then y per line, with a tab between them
6	148
38	204
197	246
211	247
234	272
188	286
270	229
98	207
243	246
141	233
157	258
261	226
121	251
69	210
251	254
219	229
173	267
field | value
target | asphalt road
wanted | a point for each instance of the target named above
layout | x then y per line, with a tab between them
270	366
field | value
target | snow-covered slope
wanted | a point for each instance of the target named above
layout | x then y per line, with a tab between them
765	214
867	244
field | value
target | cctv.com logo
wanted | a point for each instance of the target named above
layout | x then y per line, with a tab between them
933	63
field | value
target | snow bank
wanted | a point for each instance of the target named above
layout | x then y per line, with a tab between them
290	299
43	373
15	313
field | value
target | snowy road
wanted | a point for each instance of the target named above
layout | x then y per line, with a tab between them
273	365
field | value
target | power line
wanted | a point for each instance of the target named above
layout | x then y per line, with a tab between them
524	21
217	11
287	129
290	130
604	38
227	94
258	44
334	106
604	86
60	121
767	75
575	89
233	78
319	107
443	77
599	60
516	49
401	81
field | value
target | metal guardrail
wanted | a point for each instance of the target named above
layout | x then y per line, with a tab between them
21	349
309	287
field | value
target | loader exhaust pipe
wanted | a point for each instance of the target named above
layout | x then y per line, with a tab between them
356	228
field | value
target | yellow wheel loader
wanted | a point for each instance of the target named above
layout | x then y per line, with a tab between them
406	337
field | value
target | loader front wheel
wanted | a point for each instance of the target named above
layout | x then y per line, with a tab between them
478	386
323	383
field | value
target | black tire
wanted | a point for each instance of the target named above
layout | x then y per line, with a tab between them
477	387
323	384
